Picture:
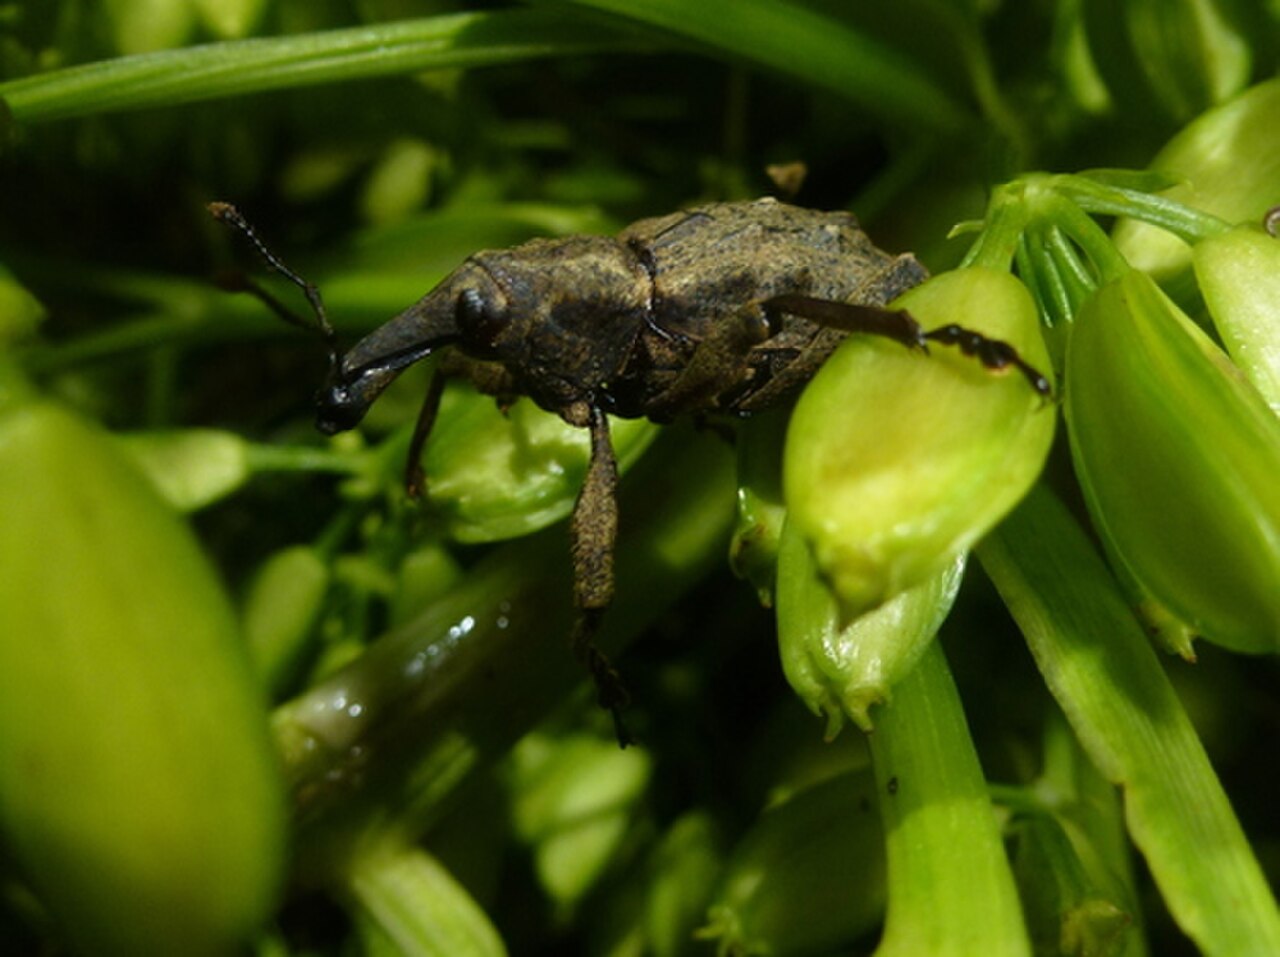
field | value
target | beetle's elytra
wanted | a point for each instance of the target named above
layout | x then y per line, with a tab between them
726	308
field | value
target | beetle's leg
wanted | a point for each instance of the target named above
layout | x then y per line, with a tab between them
593	532
900	326
717	365
415	482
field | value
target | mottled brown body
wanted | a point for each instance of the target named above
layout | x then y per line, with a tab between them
726	308
665	319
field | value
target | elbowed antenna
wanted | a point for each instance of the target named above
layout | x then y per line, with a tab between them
226	213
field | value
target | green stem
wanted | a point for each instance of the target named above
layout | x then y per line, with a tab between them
1008	214
304	458
1185	222
951	891
1102	670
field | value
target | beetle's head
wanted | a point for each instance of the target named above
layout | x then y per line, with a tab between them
468	310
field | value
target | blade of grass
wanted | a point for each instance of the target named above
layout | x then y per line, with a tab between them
217	70
951	891
1107	679
807	45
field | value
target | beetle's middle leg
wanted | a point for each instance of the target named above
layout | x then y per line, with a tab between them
593	534
717	366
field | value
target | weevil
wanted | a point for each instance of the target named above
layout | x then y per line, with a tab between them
725	308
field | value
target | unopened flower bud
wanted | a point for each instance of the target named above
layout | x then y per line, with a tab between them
1179	459
897	462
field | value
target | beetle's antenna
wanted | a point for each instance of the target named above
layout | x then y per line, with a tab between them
226	213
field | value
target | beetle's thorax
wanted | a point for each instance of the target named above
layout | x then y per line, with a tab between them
575	307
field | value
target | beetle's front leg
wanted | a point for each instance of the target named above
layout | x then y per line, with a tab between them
593	534
414	477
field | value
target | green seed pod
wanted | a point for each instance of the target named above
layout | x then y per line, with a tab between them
896	463
841	669
139	792
1225	162
809	877
1178	458
1239	276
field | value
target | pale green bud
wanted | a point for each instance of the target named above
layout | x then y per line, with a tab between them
139	789
1178	457
1239	276
897	462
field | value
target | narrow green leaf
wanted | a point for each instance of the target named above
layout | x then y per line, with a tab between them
801	42
217	70
1105	675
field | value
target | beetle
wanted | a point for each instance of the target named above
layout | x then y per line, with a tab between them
724	308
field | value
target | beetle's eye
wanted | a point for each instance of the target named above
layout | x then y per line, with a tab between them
480	319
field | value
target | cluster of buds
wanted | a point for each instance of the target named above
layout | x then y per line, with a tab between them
895	467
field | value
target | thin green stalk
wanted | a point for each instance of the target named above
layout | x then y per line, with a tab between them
217	70
1106	199
1105	675
951	891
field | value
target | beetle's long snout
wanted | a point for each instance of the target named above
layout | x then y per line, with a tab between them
338	408
358	378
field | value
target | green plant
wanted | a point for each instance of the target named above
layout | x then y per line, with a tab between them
452	791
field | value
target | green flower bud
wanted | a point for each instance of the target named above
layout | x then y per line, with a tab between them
840	669
139	790
1239	276
280	612
407	904
191	468
1179	459
143	27
684	866
808	878
495	476
20	312
573	799
896	463
1225	162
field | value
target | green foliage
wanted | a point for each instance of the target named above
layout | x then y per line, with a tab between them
452	783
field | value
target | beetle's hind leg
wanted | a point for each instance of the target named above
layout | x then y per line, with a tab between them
593	535
900	326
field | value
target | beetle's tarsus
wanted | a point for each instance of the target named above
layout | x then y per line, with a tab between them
994	354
